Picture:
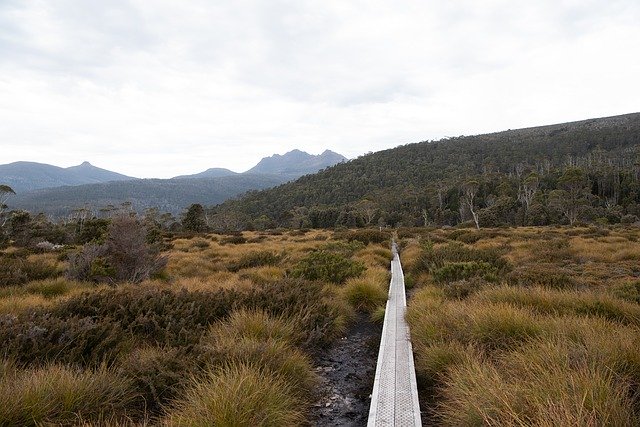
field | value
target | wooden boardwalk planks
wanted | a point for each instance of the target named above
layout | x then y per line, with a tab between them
394	401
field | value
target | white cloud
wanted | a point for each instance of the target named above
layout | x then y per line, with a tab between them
168	88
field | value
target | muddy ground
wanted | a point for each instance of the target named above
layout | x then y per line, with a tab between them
347	369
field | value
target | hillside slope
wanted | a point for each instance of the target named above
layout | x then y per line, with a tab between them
421	183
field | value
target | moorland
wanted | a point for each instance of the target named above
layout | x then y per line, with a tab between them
510	326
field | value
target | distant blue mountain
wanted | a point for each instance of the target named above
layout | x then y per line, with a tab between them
27	176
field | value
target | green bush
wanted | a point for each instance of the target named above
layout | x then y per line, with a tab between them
367	236
233	240
254	259
456	271
97	327
434	257
327	267
629	291
547	275
157	375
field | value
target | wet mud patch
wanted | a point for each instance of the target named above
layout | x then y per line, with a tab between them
347	369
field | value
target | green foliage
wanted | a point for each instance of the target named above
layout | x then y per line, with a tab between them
327	267
368	236
254	259
484	261
233	240
194	219
456	271
97	327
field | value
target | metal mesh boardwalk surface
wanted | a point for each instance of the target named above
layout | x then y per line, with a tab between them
394	401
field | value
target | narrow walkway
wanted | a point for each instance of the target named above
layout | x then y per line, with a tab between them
394	401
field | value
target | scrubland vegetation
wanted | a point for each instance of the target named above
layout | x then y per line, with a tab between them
527	326
200	329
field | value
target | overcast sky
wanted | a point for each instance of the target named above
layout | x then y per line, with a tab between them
161	88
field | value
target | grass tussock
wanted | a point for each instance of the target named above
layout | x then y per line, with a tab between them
538	392
563	302
364	295
57	394
237	394
255	324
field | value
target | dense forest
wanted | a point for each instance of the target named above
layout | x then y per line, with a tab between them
560	174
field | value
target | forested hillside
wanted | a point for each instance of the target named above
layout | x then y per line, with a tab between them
168	195
580	171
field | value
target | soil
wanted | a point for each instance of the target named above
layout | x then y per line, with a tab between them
347	369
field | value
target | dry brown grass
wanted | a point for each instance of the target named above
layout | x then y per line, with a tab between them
555	352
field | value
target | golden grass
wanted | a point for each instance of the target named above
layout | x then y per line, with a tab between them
254	324
60	395
237	394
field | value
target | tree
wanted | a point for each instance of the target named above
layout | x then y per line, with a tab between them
469	190
5	193
528	190
194	219
570	198
124	257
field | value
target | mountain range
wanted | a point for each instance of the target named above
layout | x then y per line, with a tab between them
59	191
27	176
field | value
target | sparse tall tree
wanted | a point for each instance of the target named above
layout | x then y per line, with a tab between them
5	193
469	190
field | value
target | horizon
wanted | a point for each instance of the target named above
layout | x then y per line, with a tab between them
166	90
92	163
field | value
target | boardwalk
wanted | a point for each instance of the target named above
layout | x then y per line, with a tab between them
394	401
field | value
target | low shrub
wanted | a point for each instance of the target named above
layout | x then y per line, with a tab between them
233	240
462	289
327	267
547	275
61	395
238	394
254	259
629	291
125	257
367	236
434	257
156	374
457	271
17	270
